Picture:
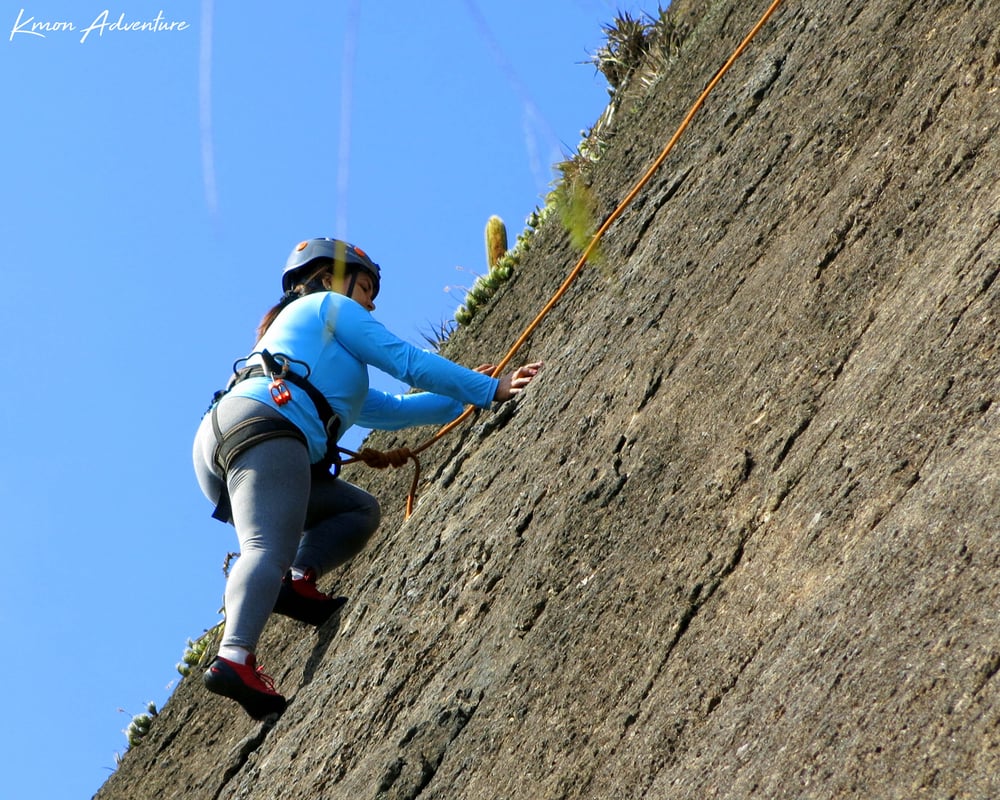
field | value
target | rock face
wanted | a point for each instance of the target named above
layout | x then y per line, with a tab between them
741	537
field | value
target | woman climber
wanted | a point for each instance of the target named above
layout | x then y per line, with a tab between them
263	452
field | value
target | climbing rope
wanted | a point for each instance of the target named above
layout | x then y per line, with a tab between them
401	456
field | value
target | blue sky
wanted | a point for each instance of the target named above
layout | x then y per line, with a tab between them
153	184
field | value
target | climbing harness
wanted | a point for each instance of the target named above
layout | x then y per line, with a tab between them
400	456
241	437
236	441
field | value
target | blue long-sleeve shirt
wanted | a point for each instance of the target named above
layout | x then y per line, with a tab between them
338	339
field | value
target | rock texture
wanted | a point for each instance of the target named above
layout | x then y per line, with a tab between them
741	538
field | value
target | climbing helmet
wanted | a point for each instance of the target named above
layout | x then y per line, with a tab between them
311	250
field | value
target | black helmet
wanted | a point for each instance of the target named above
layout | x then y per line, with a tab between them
305	253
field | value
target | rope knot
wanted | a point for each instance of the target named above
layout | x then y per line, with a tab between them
390	458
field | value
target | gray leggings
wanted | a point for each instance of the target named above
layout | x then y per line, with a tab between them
283	514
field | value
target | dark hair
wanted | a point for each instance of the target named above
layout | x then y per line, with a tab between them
313	281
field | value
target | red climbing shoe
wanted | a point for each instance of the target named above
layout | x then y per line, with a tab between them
246	684
300	599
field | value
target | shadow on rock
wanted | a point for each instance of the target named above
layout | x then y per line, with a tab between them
325	635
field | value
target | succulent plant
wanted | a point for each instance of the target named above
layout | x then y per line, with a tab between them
496	241
140	725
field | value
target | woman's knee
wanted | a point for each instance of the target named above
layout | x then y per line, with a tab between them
372	513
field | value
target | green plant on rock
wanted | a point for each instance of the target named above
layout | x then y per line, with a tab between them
496	240
639	48
140	725
623	51
663	45
576	206
635	47
500	264
438	334
194	653
637	53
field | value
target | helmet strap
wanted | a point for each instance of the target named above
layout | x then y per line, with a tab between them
354	280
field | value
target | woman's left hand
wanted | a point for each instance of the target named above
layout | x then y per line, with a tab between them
515	382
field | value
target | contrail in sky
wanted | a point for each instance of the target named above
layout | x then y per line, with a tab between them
205	108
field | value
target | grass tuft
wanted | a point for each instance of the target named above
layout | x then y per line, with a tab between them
623	51
439	334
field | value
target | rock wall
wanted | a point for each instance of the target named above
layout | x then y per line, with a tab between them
741	537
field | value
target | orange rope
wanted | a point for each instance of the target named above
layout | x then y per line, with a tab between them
399	457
